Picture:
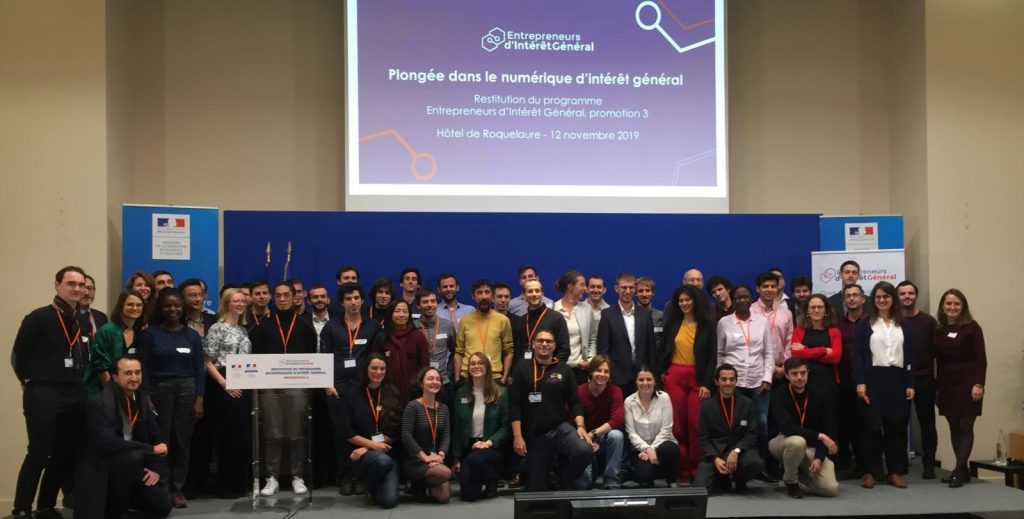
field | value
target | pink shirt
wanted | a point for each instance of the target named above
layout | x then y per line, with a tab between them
780	329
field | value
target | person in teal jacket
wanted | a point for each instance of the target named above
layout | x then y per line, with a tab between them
481	428
113	340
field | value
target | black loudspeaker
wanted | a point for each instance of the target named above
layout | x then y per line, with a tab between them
649	503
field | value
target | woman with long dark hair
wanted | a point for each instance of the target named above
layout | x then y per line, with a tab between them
882	369
959	347
114	339
688	356
405	349
649	426
143	284
371	422
174	379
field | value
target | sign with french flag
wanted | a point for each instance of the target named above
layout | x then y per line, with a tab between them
172	236
862	236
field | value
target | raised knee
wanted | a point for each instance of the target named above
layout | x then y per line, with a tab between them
829	490
796	442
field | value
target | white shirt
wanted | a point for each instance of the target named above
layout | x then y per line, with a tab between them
648	429
886	344
477	431
630	319
575	336
753	363
319	325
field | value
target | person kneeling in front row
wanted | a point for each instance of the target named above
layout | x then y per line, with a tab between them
128	455
649	426
542	390
480	430
806	430
728	436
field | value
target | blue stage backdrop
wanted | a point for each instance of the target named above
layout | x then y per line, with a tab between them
494	245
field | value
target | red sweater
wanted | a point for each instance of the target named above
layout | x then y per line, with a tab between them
606	407
820	354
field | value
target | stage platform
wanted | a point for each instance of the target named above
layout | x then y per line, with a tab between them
978	500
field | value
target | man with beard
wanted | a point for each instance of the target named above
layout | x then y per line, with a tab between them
921	327
720	290
260	309
440	334
486	331
452	310
645	299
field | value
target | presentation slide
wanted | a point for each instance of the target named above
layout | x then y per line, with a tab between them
536	105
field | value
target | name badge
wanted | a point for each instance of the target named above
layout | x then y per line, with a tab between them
350	363
737	336
535	397
908	368
435	364
360	341
465	400
743	423
528	355
951	335
85	340
387	353
442	336
131	351
69	363
658	329
184	350
415	316
379	438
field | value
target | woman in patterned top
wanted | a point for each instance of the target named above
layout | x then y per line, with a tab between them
426	438
228	408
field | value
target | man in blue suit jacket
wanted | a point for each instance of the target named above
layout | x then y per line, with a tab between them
626	335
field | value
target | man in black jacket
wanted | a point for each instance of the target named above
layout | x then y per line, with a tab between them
728	435
127	455
626	335
807	427
540	317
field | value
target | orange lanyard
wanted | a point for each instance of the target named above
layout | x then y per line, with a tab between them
285	339
483	332
131	418
731	412
375	409
437	326
746	333
529	333
554	360
431	424
255	317
351	336
71	341
802	413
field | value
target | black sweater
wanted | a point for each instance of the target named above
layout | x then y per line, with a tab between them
266	338
41	348
559	399
819	418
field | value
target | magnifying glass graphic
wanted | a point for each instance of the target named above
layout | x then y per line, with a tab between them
656	24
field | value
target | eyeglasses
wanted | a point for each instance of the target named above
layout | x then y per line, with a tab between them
544	341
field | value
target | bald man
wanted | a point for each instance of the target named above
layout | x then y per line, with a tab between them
694	277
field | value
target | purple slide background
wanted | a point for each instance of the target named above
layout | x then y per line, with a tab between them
445	35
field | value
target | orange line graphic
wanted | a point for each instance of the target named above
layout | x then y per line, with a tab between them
679	22
415	155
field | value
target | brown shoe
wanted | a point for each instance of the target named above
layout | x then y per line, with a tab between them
897	481
867	481
178	500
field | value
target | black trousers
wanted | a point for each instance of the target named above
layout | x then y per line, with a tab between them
886	434
231	438
126	491
645	472
50	410
851	433
924	406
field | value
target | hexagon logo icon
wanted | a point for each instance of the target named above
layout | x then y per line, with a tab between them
493	39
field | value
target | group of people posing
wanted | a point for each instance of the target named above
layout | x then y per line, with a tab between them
572	394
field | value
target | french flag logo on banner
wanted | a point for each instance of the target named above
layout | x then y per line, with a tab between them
171	222
854	231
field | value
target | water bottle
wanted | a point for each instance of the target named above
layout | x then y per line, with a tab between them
1001	449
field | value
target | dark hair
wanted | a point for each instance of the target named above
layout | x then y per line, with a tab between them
766	276
802	281
162	273
894	313
907	283
595	276
965	312
259	283
344	269
293	282
480	283
701	308
317	286
804	320
164	295
117	316
70	268
424	292
90	278
716	280
190	282
446	275
793	363
115	367
500	285
383	283
624	275
422	373
348	288
288	284
777	270
389	321
649	369
849	262
390	414
596	362
855	285
131	279
411	270
726	367
524	268
732	293
566	280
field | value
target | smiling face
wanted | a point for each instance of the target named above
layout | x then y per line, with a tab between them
908	296
237	304
543	345
319	299
382	298
726	382
685	303
768	289
260	297
601	375
448	288
132	308
376	369
645	383
194	297
163	281
171	307
482	298
741	299
882	300
502	298
428	306
595	289
644	294
431	382
694	277
816	310
129	375
801	293
410	282
71	287
400	314
626	289
139	285
477	365
533	293
952	308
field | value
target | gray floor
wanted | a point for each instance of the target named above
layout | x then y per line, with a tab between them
921	498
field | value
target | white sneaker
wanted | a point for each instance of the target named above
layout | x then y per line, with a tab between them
299	486
270	488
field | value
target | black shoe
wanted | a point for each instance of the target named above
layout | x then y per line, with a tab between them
49	513
345	488
956	480
358	488
929	473
740	487
491	488
766	477
17	514
947	479
793	489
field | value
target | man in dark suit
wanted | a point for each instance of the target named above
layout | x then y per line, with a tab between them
626	335
126	460
728	436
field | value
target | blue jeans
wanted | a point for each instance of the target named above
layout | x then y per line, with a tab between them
761	401
612	450
379	473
